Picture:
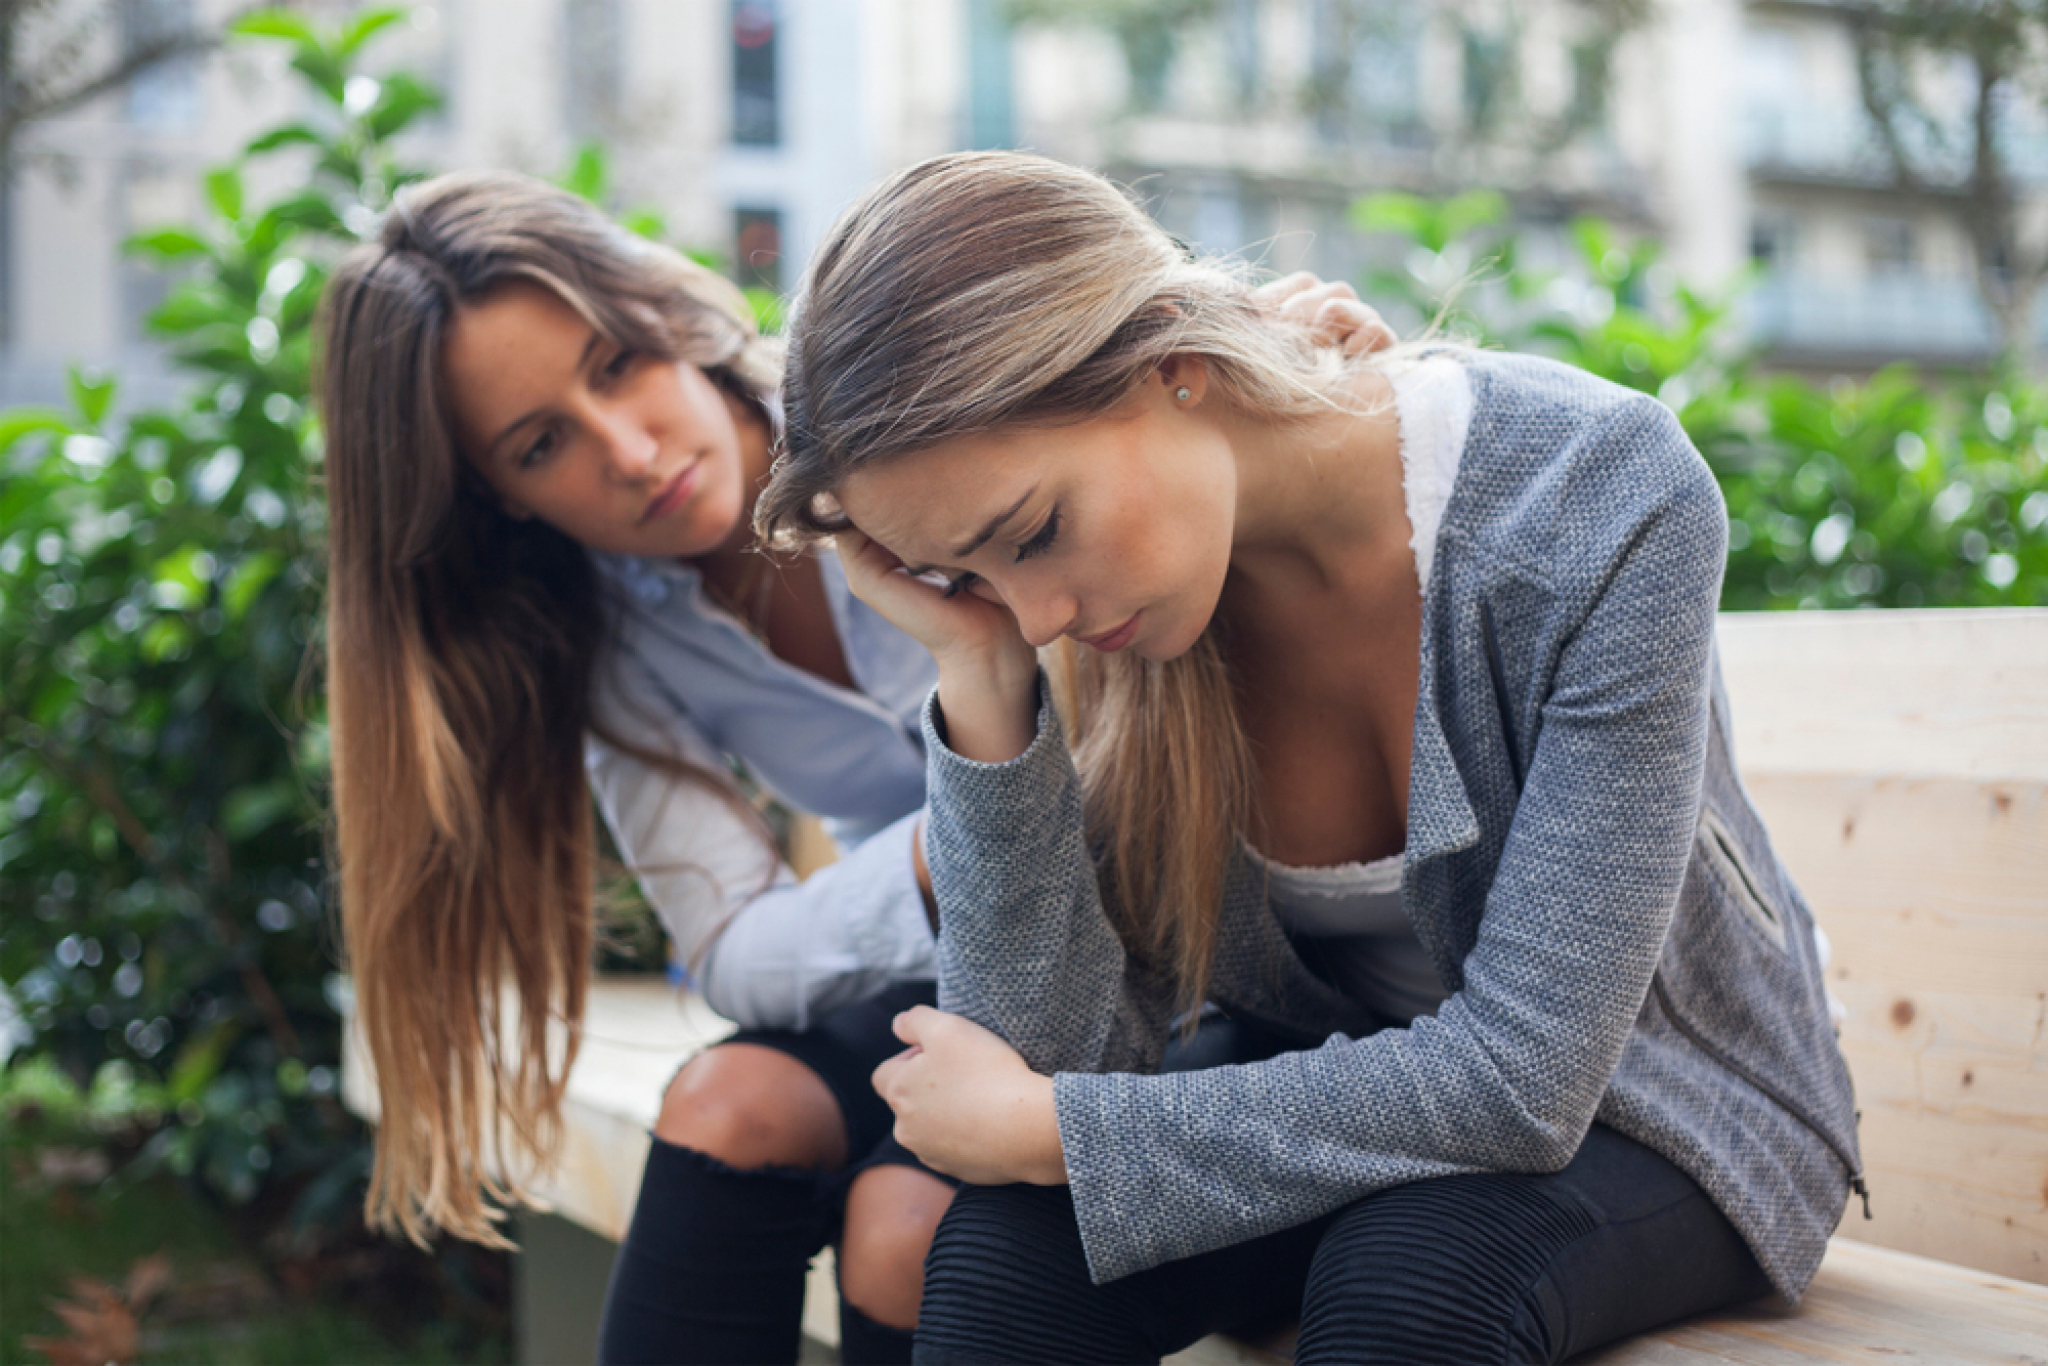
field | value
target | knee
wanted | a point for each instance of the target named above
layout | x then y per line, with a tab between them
1439	1270
1007	1280
1005	1249
891	1213
751	1106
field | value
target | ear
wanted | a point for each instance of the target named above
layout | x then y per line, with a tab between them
1178	372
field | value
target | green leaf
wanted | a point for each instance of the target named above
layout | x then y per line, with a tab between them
767	307
309	210
1390	212
187	309
367	25
224	192
587	174
249	811
400	100
167	244
1472	209
167	637
200	1059
16	423
91	394
647	223
324	70
247	582
275	23
287	135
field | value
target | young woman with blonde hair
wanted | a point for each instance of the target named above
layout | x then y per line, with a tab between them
1396	734
544	438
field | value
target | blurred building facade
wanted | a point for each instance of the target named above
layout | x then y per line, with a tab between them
1731	131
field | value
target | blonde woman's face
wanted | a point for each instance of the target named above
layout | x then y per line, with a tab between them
1115	531
619	450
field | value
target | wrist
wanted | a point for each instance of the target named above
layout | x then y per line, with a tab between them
990	704
1048	1166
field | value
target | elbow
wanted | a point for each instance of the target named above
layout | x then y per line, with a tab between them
1547	1130
1552	1149
723	989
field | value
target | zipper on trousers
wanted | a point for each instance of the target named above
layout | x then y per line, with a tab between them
1857	1185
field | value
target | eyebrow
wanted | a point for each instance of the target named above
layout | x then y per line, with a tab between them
582	360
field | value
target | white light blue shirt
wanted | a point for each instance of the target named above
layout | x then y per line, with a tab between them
686	678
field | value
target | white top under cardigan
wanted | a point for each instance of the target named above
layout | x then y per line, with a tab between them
1348	919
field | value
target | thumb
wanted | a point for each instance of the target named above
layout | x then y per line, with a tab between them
910	1025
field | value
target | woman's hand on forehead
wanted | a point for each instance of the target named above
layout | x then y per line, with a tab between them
988	673
946	623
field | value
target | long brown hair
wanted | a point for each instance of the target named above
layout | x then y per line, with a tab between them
980	291
460	650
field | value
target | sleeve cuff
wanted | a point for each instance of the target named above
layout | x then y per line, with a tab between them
987	799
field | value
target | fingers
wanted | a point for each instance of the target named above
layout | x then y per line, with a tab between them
910	1025
890	1074
1275	295
1355	326
1331	311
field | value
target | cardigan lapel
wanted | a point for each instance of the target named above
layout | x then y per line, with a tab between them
1441	822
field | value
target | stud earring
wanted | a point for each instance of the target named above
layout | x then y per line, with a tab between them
1183	393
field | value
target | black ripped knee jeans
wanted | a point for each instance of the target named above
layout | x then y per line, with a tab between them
1460	1269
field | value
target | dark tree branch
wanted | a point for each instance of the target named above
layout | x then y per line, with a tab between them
56	85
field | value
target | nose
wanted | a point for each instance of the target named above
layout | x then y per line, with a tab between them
629	445
1044	617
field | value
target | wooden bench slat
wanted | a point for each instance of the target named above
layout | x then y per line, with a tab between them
1868	1304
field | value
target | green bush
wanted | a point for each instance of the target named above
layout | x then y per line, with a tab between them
1898	491
160	790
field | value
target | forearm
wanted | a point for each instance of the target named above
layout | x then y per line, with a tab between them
1028	950
847	931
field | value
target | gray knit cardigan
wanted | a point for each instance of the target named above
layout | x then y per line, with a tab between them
1582	866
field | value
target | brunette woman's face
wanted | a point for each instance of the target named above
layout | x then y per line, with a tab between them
614	448
1115	531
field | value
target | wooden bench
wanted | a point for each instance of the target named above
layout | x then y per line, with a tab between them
1901	761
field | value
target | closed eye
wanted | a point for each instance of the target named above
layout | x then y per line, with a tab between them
955	587
620	363
1041	540
541	448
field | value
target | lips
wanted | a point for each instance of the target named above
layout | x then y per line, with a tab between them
673	494
1109	642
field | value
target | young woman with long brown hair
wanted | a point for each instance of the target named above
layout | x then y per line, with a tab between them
544	439
1396	733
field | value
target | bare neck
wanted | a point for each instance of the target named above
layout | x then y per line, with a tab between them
1321	507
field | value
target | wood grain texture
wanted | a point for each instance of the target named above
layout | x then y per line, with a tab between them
1934	894
1950	693
1866	1305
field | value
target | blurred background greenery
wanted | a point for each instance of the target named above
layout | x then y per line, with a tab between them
168	954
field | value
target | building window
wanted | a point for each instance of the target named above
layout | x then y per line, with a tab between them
1888	246
1243	51
756	91
757	241
593	67
990	103
1772	241
1363	74
164	96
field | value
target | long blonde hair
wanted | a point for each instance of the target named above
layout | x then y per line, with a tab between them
980	291
460	650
